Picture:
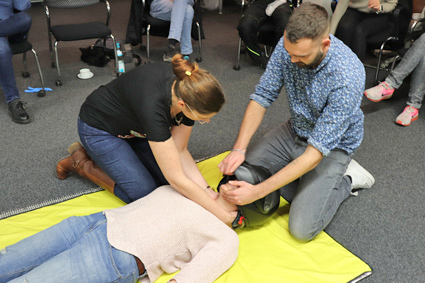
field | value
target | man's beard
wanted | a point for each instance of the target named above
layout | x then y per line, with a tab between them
314	63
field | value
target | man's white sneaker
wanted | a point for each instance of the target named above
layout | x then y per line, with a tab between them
360	177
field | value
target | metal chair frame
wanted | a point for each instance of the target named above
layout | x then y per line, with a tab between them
69	4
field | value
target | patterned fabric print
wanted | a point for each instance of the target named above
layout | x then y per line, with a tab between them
324	102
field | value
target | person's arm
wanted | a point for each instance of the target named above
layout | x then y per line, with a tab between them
251	121
245	193
21	5
168	158
181	135
340	9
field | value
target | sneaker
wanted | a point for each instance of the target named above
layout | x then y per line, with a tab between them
360	177
169	54
379	92
409	115
17	112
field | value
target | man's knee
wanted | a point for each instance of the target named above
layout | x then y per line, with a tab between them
302	231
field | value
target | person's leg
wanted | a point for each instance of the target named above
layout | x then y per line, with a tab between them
409	62
248	26
27	254
280	18
417	83
346	25
13	29
119	161
370	25
7	75
319	194
181	24
89	259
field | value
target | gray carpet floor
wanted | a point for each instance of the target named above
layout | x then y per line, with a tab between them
384	226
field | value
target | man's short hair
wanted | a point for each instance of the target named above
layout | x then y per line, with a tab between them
307	21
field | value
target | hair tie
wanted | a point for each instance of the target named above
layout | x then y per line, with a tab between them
188	73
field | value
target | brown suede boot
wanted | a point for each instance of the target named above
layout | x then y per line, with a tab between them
78	161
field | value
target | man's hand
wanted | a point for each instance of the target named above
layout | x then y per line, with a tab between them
239	192
231	162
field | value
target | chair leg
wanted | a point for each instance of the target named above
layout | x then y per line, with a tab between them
52	59
199	59
115	54
42	92
59	81
147	42
237	66
25	73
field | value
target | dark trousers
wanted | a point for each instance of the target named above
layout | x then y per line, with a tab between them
355	27
253	17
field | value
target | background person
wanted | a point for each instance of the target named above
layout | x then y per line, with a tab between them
362	19
136	130
180	13
324	82
260	11
14	28
413	63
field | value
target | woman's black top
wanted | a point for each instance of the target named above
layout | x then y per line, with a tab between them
136	103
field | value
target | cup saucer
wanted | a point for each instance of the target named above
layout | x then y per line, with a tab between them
90	75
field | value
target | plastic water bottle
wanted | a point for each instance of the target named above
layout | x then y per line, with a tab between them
121	66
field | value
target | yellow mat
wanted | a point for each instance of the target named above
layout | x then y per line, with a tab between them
266	254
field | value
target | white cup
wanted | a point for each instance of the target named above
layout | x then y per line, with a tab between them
85	73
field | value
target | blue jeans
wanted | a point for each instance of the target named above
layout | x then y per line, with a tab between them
412	62
75	250
180	13
319	192
13	29
129	162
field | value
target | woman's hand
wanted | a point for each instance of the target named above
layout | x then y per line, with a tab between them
374	5
231	162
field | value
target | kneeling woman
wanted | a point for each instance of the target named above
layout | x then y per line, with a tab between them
136	130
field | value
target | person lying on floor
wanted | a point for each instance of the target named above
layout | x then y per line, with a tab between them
134	132
162	232
174	233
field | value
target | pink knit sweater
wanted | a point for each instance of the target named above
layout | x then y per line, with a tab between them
169	232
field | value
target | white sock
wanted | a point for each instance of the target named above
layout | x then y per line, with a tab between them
273	5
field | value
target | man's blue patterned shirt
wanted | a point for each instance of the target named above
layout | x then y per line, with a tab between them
324	102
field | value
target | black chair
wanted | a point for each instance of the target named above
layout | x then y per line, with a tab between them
142	23
22	48
394	36
76	31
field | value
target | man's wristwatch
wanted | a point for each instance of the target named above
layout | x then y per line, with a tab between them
381	9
